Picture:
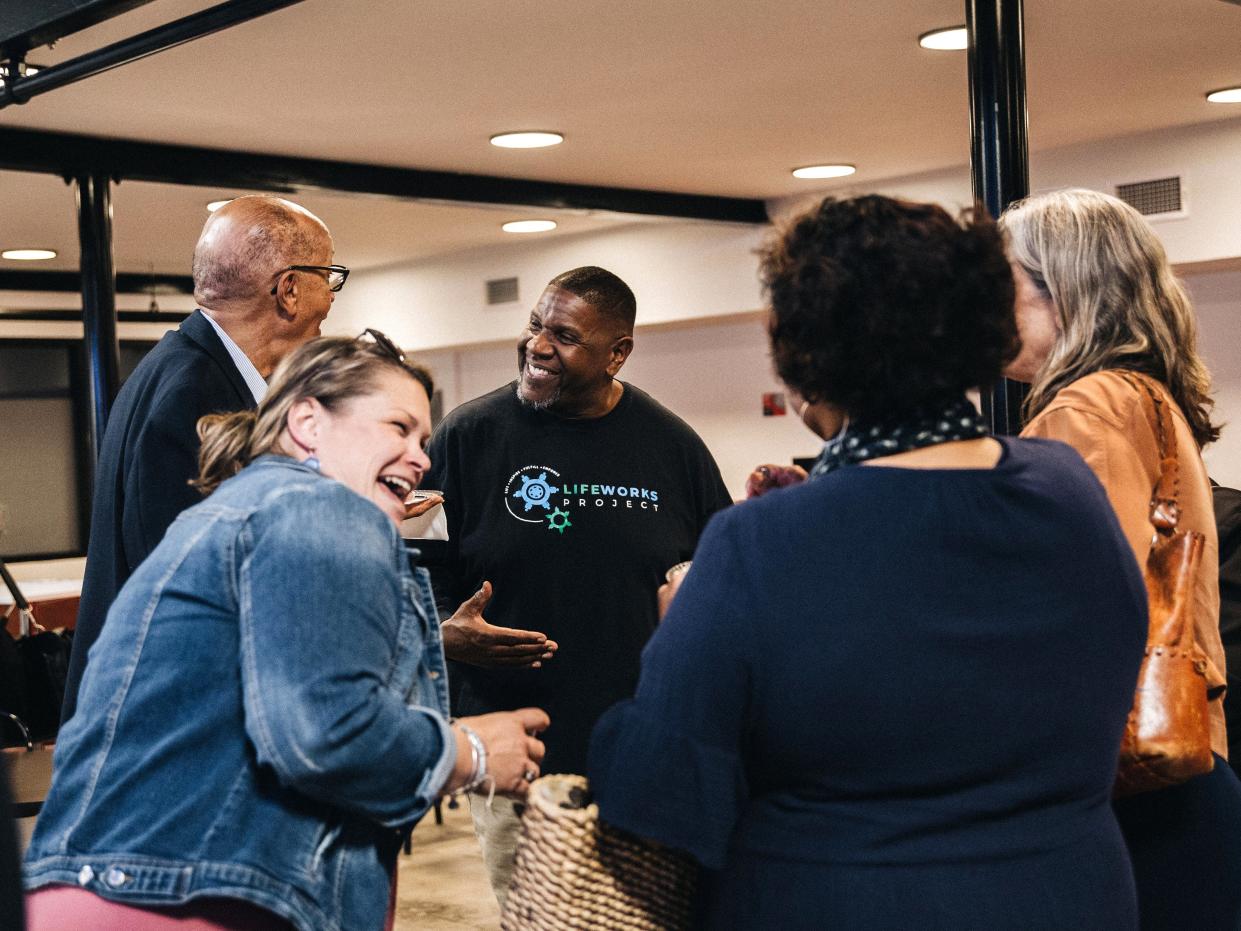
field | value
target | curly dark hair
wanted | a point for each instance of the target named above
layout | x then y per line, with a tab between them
885	307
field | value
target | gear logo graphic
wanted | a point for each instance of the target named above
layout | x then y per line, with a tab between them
530	500
558	520
536	491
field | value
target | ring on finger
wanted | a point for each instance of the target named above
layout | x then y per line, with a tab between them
529	775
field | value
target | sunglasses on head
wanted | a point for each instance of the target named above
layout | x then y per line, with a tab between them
383	342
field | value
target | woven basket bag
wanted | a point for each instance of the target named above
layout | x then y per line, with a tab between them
574	873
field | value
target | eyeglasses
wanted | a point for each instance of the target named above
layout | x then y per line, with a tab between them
336	275
388	347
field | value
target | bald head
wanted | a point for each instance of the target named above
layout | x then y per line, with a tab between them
247	242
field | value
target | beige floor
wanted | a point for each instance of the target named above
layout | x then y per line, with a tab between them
442	884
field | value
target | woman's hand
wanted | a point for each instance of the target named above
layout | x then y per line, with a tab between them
514	753
768	477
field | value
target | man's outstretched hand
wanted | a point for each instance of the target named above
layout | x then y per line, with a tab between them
468	638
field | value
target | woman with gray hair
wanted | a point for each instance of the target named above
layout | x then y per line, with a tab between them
1097	303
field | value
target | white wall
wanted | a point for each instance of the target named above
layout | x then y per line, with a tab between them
713	374
685	270
38	488
713	367
1205	157
714	377
678	270
1217	299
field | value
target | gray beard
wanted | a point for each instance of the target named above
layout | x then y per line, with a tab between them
541	404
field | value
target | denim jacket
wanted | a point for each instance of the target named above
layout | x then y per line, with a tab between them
264	713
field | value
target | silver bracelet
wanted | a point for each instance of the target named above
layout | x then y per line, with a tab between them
478	759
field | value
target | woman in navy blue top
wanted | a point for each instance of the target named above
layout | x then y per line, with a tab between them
892	696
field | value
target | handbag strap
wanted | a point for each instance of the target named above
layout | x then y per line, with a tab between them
25	612
1165	512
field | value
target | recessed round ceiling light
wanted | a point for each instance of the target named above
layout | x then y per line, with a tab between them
526	140
528	226
28	255
824	171
1225	95
952	39
217	204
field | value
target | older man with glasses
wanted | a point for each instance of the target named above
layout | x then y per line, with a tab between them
264	283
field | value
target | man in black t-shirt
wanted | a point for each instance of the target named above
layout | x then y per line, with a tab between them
568	495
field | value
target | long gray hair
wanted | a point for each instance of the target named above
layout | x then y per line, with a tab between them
1118	303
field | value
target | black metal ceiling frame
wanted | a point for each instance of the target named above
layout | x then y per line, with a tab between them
998	163
69	155
999	147
72	156
93	182
93	164
21	87
27	24
16	279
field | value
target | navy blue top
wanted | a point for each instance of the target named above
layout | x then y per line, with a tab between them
918	670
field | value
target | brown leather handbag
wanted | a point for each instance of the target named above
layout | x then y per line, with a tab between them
1168	736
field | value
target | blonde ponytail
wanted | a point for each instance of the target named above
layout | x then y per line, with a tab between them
330	369
225	449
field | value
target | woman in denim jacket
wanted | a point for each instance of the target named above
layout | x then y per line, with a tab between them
266	713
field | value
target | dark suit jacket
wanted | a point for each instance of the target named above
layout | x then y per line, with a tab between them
149	454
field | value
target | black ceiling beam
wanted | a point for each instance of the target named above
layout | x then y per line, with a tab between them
127	160
75	316
170	35
27	24
126	282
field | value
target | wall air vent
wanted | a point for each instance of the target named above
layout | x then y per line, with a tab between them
502	290
1161	198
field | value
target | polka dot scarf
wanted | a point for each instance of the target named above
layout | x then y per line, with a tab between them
957	420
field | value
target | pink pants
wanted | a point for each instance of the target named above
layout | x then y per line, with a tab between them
56	908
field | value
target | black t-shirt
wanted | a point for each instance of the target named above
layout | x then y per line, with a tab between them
574	522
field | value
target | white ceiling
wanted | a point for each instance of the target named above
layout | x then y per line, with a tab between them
715	98
155	226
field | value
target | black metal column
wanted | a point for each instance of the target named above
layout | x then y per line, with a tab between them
94	199
999	150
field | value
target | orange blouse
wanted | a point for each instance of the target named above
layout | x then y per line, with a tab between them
1104	418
